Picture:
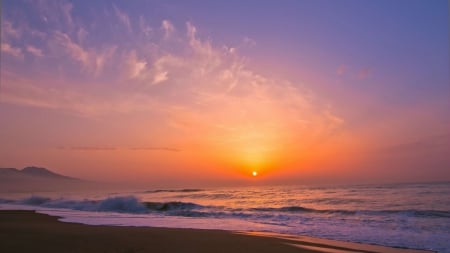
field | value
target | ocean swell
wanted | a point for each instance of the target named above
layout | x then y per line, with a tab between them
131	204
168	206
412	213
124	204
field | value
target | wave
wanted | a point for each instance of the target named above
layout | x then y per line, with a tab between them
131	204
35	200
124	204
6	201
168	206
420	213
337	201
300	209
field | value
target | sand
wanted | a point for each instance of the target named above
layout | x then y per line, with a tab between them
27	231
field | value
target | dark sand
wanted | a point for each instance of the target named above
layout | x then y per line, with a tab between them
27	231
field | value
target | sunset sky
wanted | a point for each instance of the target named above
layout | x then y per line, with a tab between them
206	92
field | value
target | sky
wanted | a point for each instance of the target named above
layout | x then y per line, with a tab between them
177	93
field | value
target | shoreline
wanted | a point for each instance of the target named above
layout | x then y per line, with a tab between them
30	231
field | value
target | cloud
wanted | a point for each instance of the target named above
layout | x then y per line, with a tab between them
249	42
203	48
34	51
207	58
26	92
334	121
66	9
160	77
91	60
134	66
108	148
215	89
81	34
14	51
41	93
167	27
149	72
72	48
8	31
164	64
123	17
58	13
144	27
155	149
200	88
88	148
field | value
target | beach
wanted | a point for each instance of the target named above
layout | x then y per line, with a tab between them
28	231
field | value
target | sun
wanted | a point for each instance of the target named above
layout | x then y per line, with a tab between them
255	173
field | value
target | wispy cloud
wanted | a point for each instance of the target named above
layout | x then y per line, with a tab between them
167	28
249	42
108	148
155	149
123	17
14	51
34	51
134	67
66	10
73	49
144	27
9	31
202	88
81	34
160	76
58	13
88	148
91	60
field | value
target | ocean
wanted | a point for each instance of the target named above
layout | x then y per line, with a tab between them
399	215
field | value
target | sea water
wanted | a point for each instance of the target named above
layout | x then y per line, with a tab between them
399	215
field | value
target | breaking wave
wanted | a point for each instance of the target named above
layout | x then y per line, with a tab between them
125	204
168	206
131	204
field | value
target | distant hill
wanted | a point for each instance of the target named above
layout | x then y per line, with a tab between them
31	171
34	179
43	172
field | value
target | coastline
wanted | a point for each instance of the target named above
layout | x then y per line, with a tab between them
29	231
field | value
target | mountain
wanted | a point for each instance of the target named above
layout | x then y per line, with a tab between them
43	172
34	179
31	171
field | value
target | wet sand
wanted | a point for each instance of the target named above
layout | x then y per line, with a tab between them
27	231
